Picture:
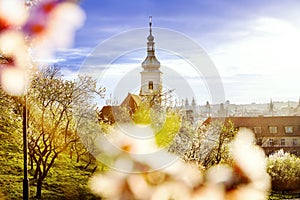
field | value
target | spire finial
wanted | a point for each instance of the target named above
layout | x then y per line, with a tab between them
150	23
150	37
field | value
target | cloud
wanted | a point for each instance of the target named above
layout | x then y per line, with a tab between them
49	60
74	52
245	88
72	56
269	48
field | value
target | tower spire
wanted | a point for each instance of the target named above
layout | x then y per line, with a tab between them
150	61
150	37
151	80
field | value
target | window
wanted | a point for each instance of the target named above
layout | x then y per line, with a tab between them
150	48
295	142
273	129
288	129
257	129
271	142
150	85
282	142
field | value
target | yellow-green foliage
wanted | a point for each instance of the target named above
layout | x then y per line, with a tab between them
105	127
170	124
142	115
170	128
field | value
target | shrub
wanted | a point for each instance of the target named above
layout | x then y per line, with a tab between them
284	169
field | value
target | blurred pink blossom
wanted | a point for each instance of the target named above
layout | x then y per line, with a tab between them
181	180
31	31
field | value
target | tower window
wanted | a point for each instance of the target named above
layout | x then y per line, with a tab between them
150	48
150	85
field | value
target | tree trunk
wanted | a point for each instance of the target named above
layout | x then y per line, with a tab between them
35	174
31	163
78	158
39	189
71	154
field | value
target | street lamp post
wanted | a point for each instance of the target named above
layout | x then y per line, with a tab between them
25	147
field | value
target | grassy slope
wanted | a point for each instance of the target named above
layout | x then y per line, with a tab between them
66	180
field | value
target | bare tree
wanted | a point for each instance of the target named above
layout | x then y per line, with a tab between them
52	124
205	145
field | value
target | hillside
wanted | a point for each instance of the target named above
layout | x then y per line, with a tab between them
66	180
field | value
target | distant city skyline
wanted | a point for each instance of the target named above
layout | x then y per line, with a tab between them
253	44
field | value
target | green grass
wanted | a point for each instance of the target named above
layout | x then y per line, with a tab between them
66	180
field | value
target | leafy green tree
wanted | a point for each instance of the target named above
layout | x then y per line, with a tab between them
284	170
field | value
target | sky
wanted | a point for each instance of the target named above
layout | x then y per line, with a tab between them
251	47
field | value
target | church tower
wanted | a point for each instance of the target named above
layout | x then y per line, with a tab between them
151	76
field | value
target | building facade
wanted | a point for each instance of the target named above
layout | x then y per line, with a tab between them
273	132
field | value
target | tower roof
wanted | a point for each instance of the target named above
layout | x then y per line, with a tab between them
150	63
